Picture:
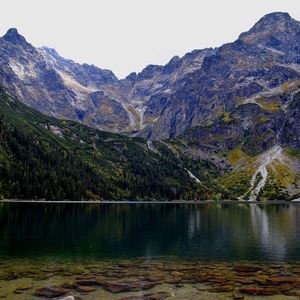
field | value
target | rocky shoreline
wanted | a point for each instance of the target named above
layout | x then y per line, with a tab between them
147	280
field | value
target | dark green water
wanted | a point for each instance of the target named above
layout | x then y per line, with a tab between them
174	231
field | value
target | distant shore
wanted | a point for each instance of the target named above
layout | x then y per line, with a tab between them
296	201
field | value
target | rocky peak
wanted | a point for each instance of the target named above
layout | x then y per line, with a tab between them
51	52
172	65
13	36
149	72
272	24
276	31
132	76
269	21
274	17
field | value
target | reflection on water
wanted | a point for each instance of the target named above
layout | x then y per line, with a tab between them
182	231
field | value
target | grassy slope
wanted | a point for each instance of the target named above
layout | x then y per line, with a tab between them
222	141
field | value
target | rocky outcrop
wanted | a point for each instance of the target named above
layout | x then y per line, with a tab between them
161	101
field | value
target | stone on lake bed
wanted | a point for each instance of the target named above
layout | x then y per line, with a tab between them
70	298
50	292
85	277
11	276
237	296
173	280
281	280
141	285
222	289
120	286
202	278
260	291
139	298
292	293
296	270
245	280
154	278
247	269
117	287
69	285
85	289
152	296
91	282
24	287
177	274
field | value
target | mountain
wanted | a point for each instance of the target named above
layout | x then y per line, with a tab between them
62	88
161	101
260	150
229	117
43	157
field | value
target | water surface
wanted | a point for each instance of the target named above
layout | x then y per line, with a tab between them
177	231
156	251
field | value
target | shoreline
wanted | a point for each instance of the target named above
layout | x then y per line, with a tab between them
150	202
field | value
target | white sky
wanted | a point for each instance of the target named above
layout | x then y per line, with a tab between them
127	35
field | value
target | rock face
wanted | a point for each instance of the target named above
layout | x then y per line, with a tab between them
261	67
62	88
250	70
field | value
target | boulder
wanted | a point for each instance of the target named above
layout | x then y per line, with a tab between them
50	292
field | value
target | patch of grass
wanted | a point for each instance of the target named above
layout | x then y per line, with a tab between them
237	155
227	117
293	152
237	182
273	105
281	173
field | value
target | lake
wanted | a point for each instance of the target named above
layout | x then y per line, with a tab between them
44	245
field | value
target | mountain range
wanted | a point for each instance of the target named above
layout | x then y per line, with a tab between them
233	110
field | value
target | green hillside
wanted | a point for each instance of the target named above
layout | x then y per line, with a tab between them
45	158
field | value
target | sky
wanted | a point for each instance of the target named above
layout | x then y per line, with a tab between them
126	35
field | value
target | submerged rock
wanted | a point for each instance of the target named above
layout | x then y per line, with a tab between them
70	298
90	282
126	286
85	289
139	298
222	289
152	296
245	280
260	291
24	287
237	296
50	292
281	280
117	287
247	269
69	285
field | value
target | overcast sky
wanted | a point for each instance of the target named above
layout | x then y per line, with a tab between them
126	35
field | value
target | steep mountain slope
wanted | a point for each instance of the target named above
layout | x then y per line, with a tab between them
161	101
250	70
261	148
43	157
62	88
